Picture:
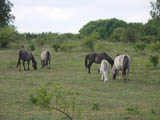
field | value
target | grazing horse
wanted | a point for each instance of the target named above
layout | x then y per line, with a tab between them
121	62
104	71
26	55
45	58
97	58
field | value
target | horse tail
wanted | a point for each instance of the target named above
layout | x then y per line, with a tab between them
48	57
86	64
18	63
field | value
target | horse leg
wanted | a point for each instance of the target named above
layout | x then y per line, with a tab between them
28	65
24	65
89	66
124	75
105	77
42	63
102	75
49	64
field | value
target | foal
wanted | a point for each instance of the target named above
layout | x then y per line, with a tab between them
104	71
121	62
45	58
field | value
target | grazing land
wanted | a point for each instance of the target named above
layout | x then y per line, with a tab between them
138	99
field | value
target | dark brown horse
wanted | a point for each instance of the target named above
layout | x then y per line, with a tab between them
97	58
26	55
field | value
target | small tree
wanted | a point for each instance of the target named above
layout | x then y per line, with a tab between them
139	46
64	101
7	34
155	12
154	60
56	46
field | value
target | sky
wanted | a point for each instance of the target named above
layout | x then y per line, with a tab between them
69	16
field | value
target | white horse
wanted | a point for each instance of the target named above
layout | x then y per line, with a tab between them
104	71
121	62
45	58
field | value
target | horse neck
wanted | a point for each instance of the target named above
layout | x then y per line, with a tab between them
109	59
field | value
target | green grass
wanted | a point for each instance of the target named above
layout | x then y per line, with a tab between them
139	99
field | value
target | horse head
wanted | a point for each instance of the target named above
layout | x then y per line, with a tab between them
34	65
114	72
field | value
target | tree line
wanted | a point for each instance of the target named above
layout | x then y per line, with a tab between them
113	30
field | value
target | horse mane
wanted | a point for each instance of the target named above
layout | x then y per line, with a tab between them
33	59
109	59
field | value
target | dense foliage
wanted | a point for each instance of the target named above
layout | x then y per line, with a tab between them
5	13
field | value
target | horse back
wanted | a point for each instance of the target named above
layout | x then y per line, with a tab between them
126	62
25	54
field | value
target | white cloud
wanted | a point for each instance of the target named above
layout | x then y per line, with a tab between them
70	15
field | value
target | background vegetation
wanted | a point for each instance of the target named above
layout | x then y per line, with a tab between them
136	100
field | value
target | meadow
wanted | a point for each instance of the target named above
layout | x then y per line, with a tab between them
138	99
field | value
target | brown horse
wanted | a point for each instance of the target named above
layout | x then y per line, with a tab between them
26	55
97	58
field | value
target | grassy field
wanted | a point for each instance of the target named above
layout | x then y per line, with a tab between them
139	99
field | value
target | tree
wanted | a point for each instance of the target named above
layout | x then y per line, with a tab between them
103	27
5	13
155	12
7	34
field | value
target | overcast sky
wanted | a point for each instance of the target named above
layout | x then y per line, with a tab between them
65	16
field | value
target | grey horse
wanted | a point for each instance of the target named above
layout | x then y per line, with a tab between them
26	55
45	58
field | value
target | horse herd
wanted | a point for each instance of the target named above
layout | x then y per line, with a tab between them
121	62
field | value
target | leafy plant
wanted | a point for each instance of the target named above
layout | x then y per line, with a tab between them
155	46
7	34
56	46
139	46
66	47
154	60
32	47
95	107
133	110
88	44
64	101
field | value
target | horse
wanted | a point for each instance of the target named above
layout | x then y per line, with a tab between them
97	58
104	70
45	58
121	62
26	55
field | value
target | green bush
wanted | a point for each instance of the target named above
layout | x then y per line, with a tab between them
139	46
88	44
7	34
41	97
95	107
66	47
63	101
32	47
155	47
154	60
56	46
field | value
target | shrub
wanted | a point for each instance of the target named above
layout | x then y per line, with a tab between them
95	107
154	60
88	44
139	46
66	47
7	34
155	46
64	101
32	47
41	97
56	46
